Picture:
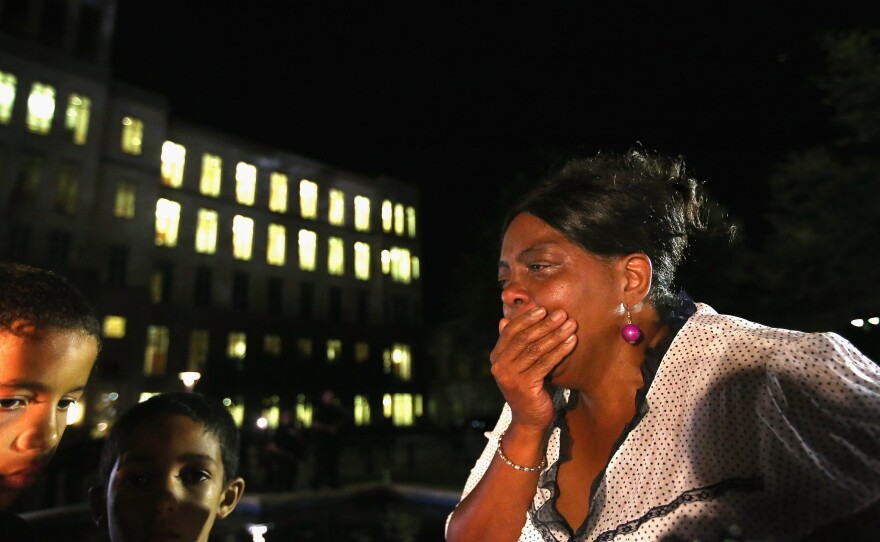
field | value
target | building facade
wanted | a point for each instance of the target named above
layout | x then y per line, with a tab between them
269	275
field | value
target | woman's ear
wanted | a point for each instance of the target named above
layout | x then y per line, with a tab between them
98	505
638	270
230	498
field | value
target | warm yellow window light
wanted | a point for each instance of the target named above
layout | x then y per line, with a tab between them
361	351
336	211
167	219
419	406
132	135
67	194
362	261
361	410
303	410
114	327
272	345
123	206
245	183
156	355
415	267
387	407
8	84
400	265
401	362
304	347
206	232
308	244
278	192
308	199
212	168
242	237
398	219
361	213
335	256
334	349
387	216
173	157
76	120
237	346
411	221
385	258
237	413
41	108
275	249
403	410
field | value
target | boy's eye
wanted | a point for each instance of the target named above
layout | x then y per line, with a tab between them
12	403
194	476
134	480
64	404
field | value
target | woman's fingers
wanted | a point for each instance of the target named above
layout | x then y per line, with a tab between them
525	340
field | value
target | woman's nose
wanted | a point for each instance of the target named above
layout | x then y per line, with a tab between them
514	297
43	430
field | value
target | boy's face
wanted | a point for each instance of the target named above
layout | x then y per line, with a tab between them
42	373
167	484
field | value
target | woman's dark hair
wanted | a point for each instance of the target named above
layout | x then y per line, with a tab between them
617	204
44	299
211	414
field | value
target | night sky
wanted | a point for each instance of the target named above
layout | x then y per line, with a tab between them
461	99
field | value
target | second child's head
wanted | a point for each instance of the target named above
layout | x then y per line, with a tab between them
168	468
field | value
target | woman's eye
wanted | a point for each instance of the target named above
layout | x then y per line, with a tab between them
13	403
194	476
537	266
502	283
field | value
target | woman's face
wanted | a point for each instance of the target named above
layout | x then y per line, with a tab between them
540	267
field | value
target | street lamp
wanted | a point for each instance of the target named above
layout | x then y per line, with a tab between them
189	379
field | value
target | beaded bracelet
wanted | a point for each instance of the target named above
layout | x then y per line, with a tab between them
503	457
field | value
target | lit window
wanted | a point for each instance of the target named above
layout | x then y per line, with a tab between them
308	244
386	261
236	411
336	212
242	237
245	183
8	83
41	108
308	199
123	206
361	213
199	341
114	327
206	232
411	221
334	349
173	157
335	256
386	216
77	119
237	348
414	267
399	407
156	358
132	135
272	345
398	219
361	410
397	361
212	167
157	286
278	192
277	243
68	189
399	265
361	352
303	410
167	219
362	261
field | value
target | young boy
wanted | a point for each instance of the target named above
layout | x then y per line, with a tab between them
49	340
168	470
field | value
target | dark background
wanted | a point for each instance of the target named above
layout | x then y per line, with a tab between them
467	101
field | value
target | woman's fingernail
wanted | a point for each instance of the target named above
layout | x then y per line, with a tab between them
568	326
538	311
557	316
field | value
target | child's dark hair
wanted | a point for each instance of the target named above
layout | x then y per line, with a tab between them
211	414
44	299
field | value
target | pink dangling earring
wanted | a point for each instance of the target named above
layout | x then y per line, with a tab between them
631	333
